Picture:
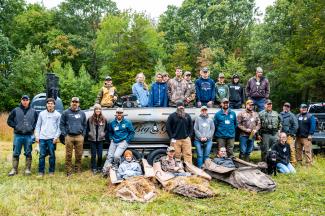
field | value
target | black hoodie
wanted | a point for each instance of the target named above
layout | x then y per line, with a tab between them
236	92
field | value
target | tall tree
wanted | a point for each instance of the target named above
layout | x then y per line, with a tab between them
129	44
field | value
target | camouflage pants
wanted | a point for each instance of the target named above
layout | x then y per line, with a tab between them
76	143
268	141
228	144
183	147
304	144
291	142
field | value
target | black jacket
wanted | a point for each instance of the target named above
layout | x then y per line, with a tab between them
283	153
178	127
73	122
22	120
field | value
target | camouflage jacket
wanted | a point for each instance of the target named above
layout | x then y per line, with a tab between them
191	91
270	122
169	165
177	90
248	121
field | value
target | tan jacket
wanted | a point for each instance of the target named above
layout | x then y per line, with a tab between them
248	121
192	93
177	90
106	96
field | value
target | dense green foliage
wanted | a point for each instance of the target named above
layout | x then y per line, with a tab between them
87	40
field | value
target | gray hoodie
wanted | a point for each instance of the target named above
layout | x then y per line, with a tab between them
203	127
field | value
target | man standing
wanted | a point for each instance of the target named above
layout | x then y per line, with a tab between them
179	127
73	126
258	89
47	132
249	123
177	88
23	120
205	89
204	130
270	127
108	94
158	96
222	89
190	100
289	126
236	93
225	122
306	128
121	132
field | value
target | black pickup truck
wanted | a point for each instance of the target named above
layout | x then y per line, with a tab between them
318	110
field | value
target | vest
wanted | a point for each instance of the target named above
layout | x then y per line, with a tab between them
24	122
92	131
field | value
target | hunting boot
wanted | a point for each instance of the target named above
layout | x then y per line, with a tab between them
246	158
28	166
14	171
241	157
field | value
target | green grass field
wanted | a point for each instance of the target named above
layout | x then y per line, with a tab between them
86	194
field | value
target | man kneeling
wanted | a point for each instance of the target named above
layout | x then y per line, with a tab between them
129	167
170	164
223	160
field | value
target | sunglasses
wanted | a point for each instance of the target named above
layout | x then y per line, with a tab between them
75	101
119	112
188	75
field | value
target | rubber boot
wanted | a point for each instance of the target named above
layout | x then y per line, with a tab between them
15	163
241	157
246	158
28	166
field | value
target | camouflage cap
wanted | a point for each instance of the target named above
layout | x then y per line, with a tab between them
170	148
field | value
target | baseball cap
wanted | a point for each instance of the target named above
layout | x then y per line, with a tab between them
249	102
287	104
108	78
221	75
268	101
170	148
205	69
187	73
224	100
25	97
76	99
120	110
235	76
179	103
303	106
204	108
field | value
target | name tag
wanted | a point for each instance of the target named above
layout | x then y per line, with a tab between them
116	128
300	118
285	149
204	125
252	119
227	122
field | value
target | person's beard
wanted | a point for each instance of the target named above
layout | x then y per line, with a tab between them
180	112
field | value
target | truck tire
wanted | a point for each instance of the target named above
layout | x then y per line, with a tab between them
155	155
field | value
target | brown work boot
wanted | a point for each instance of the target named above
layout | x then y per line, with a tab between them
15	163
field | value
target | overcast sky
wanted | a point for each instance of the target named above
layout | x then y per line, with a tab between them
152	7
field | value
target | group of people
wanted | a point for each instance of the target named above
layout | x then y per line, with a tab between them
203	92
288	134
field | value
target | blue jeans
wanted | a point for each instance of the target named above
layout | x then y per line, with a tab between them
96	149
19	142
246	145
259	103
46	146
202	154
115	151
285	168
